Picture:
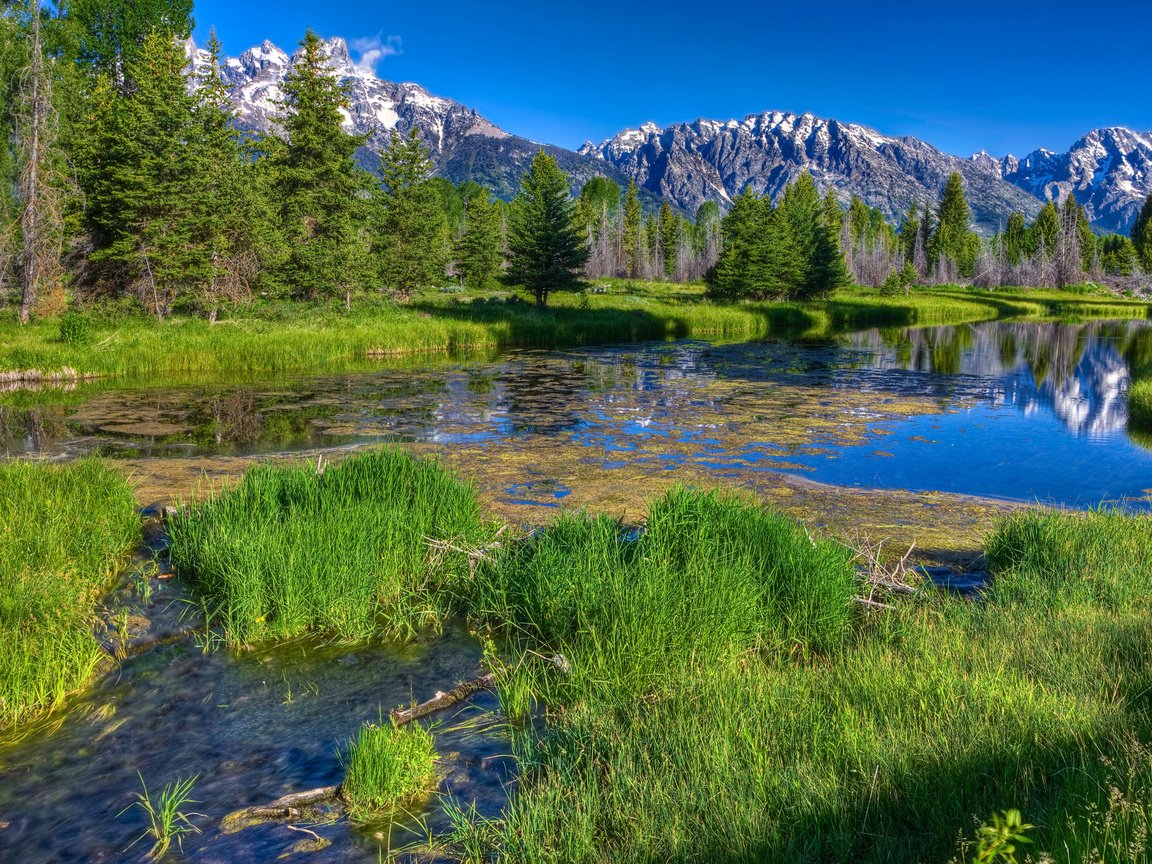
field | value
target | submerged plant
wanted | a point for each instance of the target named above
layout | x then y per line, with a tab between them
167	821
387	766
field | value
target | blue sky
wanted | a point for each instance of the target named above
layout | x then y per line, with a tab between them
1008	77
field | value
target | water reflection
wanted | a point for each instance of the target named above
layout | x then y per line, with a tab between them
1018	410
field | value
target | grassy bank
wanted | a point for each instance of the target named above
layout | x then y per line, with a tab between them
270	336
341	552
64	531
696	725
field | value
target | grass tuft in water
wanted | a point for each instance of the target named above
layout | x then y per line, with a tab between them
387	767
65	530
341	552
166	817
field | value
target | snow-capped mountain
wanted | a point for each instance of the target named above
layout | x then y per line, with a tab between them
464	145
710	160
1109	170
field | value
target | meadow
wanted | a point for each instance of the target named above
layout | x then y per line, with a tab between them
65	531
269	336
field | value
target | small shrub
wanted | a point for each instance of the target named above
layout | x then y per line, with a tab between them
387	766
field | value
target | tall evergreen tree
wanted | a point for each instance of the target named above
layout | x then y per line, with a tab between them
669	228
1044	234
817	247
632	229
412	233
111	33
143	179
953	238
478	251
1142	235
545	246
319	185
1015	239
909	232
226	214
832	214
760	259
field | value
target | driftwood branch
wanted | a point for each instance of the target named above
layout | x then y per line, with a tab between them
289	806
897	578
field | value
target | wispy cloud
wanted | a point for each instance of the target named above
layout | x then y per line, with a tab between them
373	49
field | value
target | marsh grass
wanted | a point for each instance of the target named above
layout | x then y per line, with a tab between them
339	552
273	336
167	820
387	767
65	530
725	703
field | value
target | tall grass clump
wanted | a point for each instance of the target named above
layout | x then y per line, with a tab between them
386	767
167	820
747	725
341	552
64	532
711	576
1140	405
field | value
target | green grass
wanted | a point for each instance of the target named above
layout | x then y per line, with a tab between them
724	704
64	532
290	552
386	768
278	336
167	820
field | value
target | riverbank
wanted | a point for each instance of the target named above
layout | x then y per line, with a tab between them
270	336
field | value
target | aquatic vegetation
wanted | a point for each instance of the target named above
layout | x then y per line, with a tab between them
386	767
166	817
1140	405
64	532
347	550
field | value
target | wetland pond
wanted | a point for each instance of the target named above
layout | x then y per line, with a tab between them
1021	411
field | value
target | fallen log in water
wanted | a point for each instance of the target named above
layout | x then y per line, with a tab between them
289	806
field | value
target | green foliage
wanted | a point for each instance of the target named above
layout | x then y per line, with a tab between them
143	178
1045	231
64	531
1015	239
318	184
1142	235
997	842
111	34
1118	255
952	239
479	253
75	328
342	552
545	247
760	259
166	817
386	767
411	236
632	229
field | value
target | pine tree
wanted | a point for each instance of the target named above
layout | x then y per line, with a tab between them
411	238
953	241
143	179
858	217
909	232
112	33
319	185
1015	239
632	227
760	258
478	251
1045	232
669	228
546	249
1142	235
832	214
817	247
226	214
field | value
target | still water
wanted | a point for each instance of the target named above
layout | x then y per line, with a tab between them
1024	411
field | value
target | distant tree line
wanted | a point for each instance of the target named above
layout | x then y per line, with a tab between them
125	178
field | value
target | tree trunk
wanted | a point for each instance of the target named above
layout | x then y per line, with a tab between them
31	226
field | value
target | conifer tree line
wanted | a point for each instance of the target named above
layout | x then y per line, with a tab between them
125	178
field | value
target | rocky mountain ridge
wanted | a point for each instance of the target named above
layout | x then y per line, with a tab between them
1110	170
